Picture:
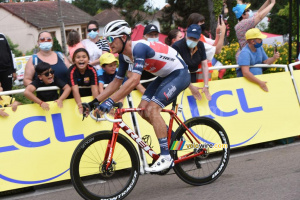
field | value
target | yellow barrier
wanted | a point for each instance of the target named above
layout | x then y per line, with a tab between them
36	146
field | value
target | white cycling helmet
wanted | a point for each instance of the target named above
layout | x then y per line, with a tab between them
116	28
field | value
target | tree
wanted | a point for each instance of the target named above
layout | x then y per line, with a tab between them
232	21
56	45
13	48
89	6
133	10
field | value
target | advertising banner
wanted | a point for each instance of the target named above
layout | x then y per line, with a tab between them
36	145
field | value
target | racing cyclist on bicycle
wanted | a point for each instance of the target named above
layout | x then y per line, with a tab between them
156	58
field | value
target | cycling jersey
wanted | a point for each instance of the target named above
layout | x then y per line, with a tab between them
154	57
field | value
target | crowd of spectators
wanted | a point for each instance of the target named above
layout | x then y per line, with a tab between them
93	65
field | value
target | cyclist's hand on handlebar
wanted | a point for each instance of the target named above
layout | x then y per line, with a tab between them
106	106
93	104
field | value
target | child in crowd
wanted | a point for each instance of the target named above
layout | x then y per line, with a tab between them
46	78
73	43
7	101
109	69
82	74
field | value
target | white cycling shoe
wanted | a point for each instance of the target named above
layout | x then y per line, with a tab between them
161	164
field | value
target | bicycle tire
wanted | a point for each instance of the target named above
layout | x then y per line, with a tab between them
206	168
87	168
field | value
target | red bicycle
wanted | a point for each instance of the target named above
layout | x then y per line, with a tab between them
106	164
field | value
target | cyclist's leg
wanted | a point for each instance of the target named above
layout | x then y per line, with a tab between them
166	93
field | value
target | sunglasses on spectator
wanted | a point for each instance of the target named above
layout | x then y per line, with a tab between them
93	29
247	10
110	39
48	73
45	39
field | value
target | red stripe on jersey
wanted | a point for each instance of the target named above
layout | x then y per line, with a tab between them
159	47
72	76
153	66
95	73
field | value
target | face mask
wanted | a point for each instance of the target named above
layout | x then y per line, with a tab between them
257	45
250	13
46	46
93	34
191	44
202	27
152	39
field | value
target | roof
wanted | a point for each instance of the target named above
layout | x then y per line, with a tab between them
112	14
45	14
107	16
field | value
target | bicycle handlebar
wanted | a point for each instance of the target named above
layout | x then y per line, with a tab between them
106	118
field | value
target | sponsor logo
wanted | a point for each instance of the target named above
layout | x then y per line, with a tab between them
170	92
86	79
166	58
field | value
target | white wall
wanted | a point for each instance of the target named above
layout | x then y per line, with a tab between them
18	31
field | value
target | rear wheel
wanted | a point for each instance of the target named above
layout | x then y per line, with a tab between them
214	144
88	170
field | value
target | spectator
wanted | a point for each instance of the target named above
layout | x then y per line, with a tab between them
7	101
193	53
46	78
150	34
7	70
212	47
248	20
82	74
73	43
57	60
252	54
94	50
173	36
109	69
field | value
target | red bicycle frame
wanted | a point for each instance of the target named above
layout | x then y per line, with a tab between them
121	125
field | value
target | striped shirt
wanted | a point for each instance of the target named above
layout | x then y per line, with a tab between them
103	45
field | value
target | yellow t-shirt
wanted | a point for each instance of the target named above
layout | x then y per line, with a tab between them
6	100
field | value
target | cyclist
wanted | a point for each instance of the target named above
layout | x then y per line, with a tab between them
156	58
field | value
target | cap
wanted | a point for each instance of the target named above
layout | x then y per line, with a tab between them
239	9
254	33
150	28
108	58
194	31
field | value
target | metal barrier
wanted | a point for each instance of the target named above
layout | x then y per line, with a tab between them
144	81
293	79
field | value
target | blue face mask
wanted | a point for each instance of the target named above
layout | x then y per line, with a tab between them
46	46
257	45
191	44
93	34
250	13
152	39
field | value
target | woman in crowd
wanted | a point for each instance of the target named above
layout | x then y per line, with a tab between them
59	63
95	46
73	42
173	36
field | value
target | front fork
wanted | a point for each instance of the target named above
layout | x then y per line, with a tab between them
111	146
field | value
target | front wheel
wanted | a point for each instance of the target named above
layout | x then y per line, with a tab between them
90	175
212	140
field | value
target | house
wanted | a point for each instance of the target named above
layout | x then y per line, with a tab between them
23	21
109	15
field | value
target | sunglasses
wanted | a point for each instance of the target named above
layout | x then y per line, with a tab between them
110	39
93	29
48	73
45	39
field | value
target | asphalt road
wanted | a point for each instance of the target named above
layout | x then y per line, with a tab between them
252	173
